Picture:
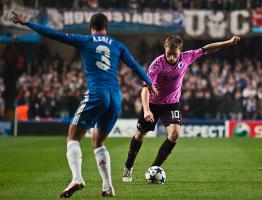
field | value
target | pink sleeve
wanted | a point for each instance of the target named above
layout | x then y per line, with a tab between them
192	55
153	70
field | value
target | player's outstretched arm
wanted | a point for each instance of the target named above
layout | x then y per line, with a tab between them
213	47
148	115
138	69
70	39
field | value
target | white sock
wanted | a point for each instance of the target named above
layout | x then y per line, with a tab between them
74	157
103	163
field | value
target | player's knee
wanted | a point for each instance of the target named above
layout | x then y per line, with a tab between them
173	135
75	133
98	138
139	135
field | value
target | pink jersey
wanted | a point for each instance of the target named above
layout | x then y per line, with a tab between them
168	78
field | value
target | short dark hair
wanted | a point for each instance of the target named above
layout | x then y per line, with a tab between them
99	22
174	42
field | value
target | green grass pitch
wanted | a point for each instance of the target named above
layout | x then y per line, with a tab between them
35	168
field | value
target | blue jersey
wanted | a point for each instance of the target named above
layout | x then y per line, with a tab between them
100	55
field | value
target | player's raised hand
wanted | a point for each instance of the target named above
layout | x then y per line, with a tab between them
234	40
149	117
153	90
17	19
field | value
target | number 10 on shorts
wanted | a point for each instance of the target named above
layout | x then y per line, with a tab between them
175	114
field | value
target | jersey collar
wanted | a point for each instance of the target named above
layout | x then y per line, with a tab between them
172	64
98	33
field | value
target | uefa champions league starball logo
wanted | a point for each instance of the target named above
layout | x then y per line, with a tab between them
241	130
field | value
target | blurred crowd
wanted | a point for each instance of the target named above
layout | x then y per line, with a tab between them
51	87
140	5
2	89
213	88
223	90
53	90
2	101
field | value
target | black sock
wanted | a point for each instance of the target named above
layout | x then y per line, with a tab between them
163	152
133	151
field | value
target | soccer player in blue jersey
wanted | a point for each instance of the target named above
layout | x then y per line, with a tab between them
102	101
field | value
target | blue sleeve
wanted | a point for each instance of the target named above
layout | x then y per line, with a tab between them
71	39
130	62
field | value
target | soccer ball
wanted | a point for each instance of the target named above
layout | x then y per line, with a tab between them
155	175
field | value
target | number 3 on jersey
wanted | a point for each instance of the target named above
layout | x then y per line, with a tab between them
104	64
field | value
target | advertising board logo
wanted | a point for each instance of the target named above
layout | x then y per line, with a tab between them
241	130
5	127
258	131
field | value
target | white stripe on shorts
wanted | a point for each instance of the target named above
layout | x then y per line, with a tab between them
78	113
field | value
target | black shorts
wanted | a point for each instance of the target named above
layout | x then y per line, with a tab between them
168	113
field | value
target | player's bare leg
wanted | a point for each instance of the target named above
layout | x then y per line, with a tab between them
173	132
74	157
134	148
103	162
168	145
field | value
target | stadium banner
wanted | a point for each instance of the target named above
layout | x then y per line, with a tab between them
5	128
198	129
120	20
124	128
201	24
10	32
244	129
216	24
127	127
257	21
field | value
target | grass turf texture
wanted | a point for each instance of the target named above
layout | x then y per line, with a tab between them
36	168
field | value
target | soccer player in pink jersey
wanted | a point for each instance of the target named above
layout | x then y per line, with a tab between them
166	73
